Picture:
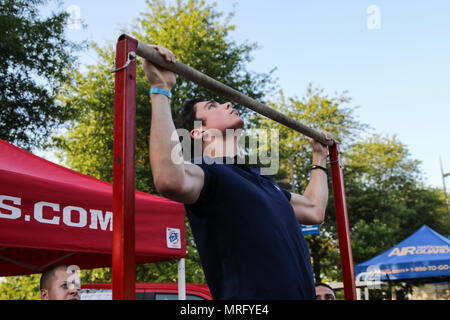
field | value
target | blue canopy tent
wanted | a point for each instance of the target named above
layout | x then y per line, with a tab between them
424	254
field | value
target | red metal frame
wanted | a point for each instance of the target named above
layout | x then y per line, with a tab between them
123	256
348	273
197	289
123	252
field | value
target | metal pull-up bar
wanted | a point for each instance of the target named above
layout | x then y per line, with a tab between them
224	91
124	127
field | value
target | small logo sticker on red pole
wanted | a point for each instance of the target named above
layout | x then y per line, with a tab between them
173	237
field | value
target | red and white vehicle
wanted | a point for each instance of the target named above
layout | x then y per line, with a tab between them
147	291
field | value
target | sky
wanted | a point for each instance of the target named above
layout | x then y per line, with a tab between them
392	56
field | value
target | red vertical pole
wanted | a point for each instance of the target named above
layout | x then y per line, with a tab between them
340	204
123	251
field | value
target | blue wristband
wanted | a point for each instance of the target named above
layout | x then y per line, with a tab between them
161	91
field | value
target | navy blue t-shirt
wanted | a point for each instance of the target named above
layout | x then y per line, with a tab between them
249	240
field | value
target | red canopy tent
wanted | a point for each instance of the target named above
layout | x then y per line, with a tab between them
51	215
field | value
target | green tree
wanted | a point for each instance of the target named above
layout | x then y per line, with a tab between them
386	202
386	198
199	36
34	59
20	287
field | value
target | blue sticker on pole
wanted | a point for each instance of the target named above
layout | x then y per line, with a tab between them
309	230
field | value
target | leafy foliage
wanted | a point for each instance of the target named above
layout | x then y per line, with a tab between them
20	287
34	59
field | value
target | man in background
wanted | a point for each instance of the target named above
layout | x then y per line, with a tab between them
324	292
60	283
